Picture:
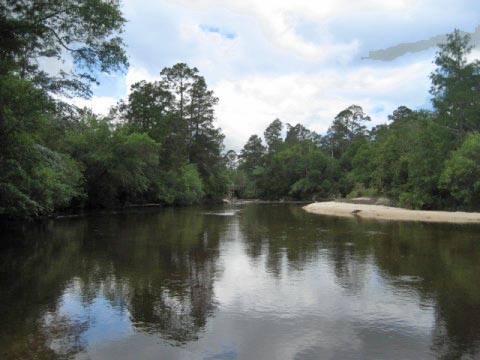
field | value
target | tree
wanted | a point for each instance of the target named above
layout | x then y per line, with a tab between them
347	126
273	135
34	180
147	106
297	133
296	168
178	113
407	159
456	84
181	186
401	113
150	108
38	183
201	108
252	154
461	176
87	30
118	166
317	176
192	122
374	159
36	177
180	79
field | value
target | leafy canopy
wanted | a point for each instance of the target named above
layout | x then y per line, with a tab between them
85	32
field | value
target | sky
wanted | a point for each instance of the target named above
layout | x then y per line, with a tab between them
302	61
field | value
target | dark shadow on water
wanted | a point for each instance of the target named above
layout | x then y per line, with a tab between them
71	284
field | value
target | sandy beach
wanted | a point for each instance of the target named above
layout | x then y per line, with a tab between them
381	212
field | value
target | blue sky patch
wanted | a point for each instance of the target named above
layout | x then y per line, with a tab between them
378	109
216	30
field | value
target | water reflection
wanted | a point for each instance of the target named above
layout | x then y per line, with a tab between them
256	281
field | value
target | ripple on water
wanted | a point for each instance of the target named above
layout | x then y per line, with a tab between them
222	213
409	278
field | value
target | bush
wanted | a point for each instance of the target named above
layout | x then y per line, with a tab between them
48	181
461	175
359	190
183	186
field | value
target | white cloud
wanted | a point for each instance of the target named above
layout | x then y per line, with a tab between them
248	105
136	74
313	9
98	104
298	60
474	55
101	104
53	66
279	20
216	53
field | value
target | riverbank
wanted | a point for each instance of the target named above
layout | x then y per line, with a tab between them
381	212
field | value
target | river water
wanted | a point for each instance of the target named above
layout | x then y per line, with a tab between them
252	281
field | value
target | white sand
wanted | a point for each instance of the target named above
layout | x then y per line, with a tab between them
381	212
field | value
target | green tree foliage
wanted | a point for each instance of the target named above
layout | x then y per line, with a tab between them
86	30
415	160
150	109
456	85
178	113
297	133
182	186
407	158
251	160
161	145
147	108
461	176
48	160
38	182
194	107
117	166
165	148
316	173
273	135
251	156
295	167
347	127
36	178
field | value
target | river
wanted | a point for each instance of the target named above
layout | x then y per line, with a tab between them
247	281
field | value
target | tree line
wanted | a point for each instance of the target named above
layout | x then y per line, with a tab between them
421	159
160	144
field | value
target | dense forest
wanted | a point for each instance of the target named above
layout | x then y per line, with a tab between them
160	145
422	159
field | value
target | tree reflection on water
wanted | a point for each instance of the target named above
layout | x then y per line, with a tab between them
68	284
